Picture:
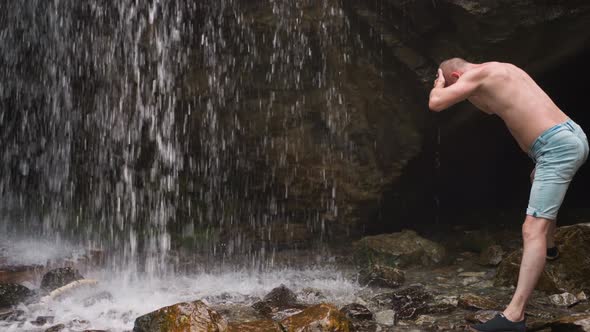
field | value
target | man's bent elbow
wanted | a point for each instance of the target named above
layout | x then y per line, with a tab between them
435	106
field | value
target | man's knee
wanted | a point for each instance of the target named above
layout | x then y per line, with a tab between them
534	227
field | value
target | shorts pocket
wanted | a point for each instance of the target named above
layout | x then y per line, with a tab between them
570	157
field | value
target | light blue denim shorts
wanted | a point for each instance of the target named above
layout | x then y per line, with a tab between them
558	154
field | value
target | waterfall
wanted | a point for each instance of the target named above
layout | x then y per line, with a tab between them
150	129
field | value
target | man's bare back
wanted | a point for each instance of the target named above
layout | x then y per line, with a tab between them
502	89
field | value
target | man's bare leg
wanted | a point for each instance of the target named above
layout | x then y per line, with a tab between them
534	233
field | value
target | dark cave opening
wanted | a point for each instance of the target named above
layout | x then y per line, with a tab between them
483	177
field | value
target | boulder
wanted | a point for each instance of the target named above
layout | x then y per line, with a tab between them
13	294
60	277
402	249
382	276
255	326
194	316
568	273
322	317
491	256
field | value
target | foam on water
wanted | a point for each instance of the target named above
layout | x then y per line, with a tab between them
132	298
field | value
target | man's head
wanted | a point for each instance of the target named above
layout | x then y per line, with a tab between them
453	69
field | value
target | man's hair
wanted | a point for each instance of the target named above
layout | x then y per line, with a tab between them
451	65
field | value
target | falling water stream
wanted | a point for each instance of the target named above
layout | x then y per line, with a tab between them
143	130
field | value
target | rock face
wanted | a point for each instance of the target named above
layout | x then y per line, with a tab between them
13	294
401	249
193	317
59	277
568	273
322	317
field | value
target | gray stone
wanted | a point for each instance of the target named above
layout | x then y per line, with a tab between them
386	317
563	300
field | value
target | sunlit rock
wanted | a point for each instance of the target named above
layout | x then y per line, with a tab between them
568	273
255	326
59	277
401	249
13	294
194	316
322	317
563	300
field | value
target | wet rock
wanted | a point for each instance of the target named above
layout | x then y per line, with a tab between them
573	323
472	301
355	311
470	281
311	295
322	317
480	316
582	297
491	256
563	300
382	276
447	300
19	273
472	274
42	320
256	326
13	294
401	249
10	314
102	296
568	273
56	328
278	299
193	316
59	277
411	302
425	321
386	317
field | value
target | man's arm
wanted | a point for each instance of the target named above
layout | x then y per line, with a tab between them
442	98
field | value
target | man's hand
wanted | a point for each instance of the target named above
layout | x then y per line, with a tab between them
439	82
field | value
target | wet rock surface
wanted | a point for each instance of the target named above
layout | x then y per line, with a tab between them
401	249
59	277
256	326
194	316
13	294
322	317
382	276
492	255
280	298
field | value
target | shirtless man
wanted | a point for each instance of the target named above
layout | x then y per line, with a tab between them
557	145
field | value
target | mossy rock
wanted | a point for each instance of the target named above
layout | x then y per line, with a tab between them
402	249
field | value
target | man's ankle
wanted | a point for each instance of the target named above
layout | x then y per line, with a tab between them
513	316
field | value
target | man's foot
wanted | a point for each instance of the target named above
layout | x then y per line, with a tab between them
500	324
552	254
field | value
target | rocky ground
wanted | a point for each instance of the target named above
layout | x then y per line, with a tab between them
406	283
